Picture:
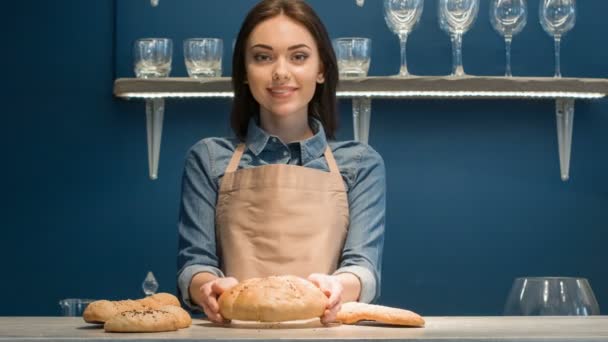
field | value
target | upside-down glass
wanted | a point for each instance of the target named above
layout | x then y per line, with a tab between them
508	17
203	57
551	296
557	17
401	16
353	55
152	57
456	17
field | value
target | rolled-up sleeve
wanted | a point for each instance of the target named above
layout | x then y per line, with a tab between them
362	253
196	224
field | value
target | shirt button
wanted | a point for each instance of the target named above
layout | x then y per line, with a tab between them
274	140
285	153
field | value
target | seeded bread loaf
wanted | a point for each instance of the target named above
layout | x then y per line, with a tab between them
142	321
273	299
101	311
183	317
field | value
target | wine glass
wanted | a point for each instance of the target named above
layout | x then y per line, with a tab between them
508	17
456	17
401	17
557	17
551	296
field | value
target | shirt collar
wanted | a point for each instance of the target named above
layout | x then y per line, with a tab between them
312	148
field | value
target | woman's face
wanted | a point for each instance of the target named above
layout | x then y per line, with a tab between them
283	66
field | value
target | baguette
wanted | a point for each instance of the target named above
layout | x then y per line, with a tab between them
353	312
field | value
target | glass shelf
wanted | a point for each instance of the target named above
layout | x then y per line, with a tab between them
362	90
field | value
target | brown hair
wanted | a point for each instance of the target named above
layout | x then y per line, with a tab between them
323	105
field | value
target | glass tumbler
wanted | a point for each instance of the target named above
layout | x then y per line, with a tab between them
74	306
152	57
353	55
203	57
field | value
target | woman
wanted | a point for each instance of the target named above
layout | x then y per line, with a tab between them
279	198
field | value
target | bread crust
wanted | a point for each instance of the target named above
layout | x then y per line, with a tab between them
142	321
101	311
159	300
183	317
273	299
353	312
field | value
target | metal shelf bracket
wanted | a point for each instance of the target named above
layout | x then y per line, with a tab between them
564	113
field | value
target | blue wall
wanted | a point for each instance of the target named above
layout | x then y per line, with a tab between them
474	194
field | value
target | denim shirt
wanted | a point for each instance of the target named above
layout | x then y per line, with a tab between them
362	170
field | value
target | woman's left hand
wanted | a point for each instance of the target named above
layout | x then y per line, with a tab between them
332	287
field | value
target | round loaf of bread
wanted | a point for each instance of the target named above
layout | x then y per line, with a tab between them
273	299
142	321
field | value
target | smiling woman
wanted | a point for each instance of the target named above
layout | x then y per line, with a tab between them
283	77
280	198
284	46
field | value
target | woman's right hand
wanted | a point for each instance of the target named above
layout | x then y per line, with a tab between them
210	292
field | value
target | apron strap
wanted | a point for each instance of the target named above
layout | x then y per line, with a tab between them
331	161
236	158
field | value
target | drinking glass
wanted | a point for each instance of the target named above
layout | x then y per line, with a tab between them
203	57
508	17
401	16
557	17
551	296
74	306
456	17
353	55
152	57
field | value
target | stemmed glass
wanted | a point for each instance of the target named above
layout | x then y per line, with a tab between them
557	17
456	17
401	16
508	17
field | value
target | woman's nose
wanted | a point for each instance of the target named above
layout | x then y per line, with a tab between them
281	70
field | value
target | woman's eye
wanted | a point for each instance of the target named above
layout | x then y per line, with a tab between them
261	58
300	57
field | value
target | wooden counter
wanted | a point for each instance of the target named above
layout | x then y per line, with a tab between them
594	328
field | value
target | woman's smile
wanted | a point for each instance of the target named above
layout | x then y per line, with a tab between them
282	92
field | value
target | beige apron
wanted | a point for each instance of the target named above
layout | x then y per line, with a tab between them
280	219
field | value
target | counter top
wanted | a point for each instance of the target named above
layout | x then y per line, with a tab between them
520	329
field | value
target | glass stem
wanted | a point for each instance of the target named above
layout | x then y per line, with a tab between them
457	68
508	40
403	43
558	68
